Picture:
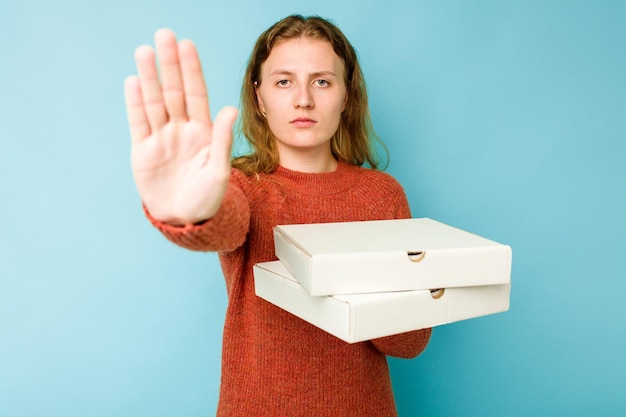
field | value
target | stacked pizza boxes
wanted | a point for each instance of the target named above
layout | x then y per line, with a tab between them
364	280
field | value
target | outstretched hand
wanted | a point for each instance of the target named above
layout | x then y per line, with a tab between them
180	158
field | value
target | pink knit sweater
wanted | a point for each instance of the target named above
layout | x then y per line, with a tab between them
273	363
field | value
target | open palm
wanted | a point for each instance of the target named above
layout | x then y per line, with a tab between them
180	158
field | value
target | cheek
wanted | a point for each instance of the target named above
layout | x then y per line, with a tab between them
270	103
340	107
259	101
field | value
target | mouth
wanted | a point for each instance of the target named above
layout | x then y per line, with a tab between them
303	122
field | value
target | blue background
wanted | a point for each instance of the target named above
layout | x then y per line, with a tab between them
507	119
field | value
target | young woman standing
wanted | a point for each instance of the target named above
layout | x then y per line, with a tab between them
304	111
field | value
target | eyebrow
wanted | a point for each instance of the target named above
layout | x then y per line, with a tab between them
314	74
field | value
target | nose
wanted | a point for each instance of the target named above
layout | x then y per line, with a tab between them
303	97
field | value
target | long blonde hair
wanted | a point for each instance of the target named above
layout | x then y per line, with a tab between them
352	141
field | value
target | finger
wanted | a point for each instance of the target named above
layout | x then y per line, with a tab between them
137	121
171	80
150	87
222	138
196	96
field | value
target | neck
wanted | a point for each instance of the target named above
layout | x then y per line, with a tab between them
308	162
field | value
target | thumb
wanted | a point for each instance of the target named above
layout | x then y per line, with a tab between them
222	138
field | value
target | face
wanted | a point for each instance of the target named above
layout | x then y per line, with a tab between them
302	93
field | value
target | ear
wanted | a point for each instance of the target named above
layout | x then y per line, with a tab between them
258	97
345	102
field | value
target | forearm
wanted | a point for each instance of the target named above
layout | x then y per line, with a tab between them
405	345
225	231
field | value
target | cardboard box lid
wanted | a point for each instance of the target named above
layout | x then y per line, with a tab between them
358	317
389	255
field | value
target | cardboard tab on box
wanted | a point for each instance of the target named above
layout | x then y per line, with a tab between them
358	317
389	255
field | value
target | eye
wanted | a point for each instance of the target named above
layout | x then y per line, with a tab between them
322	83
282	83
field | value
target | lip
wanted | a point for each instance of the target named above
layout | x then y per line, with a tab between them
303	122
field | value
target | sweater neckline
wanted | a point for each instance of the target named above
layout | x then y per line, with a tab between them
337	181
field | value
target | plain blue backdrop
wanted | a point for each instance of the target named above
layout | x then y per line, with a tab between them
505	118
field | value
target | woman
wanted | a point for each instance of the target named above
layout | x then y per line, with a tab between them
305	114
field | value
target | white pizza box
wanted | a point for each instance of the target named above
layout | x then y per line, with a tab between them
358	317
389	255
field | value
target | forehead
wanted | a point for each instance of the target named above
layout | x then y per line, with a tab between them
303	55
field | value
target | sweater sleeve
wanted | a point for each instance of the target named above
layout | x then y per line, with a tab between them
224	232
406	345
